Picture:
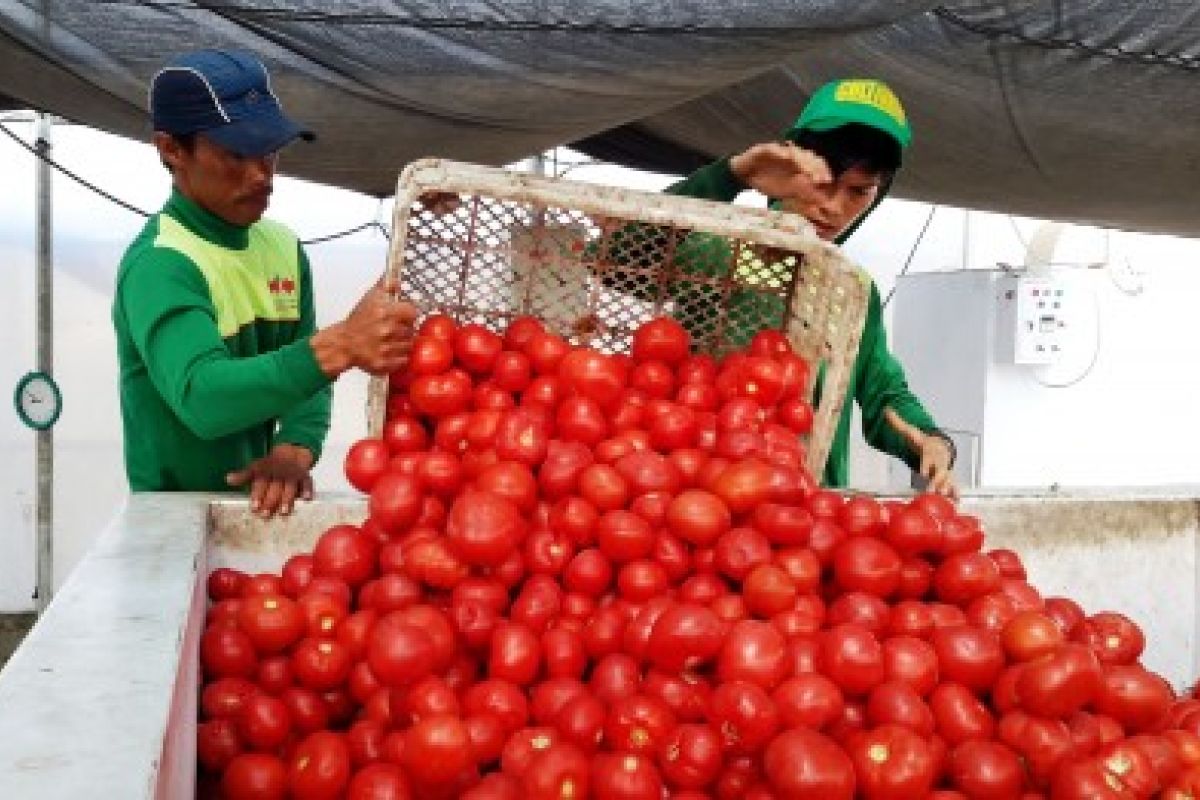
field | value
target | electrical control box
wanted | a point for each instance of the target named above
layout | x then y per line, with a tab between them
1034	318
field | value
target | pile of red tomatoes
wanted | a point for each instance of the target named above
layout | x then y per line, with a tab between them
595	576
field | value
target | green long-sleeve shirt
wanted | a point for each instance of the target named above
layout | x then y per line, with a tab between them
212	323
877	380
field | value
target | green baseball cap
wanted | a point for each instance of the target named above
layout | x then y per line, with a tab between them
862	100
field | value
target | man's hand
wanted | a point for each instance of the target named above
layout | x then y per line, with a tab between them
276	480
781	170
933	451
376	336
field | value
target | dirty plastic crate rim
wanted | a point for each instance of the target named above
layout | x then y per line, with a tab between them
765	227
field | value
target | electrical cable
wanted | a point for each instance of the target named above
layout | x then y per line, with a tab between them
130	207
908	261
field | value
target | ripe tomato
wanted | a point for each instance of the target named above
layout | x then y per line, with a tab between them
753	651
866	564
1113	637
852	658
808	700
226	652
962	577
320	767
225	583
985	769
684	637
958	714
892	762
273	622
255	776
437	750
343	552
968	655
1059	683
1029	635
661	339
593	375
216	744
366	462
321	664
802	764
379	781
691	757
483	528
476	348
1133	696
441	395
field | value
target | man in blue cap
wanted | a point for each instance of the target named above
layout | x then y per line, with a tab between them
225	379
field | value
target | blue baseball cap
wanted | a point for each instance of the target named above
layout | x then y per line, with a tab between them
226	95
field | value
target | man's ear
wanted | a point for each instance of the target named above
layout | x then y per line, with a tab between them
170	151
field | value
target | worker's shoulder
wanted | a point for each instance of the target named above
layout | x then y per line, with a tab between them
147	252
274	232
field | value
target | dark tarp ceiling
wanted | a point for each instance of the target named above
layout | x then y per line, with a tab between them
1085	110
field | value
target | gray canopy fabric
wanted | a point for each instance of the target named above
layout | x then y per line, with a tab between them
1085	110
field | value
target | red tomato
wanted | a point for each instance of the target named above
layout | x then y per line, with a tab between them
476	348
593	375
1135	697
437	750
321	664
1029	635
743	485
226	652
225	583
1113	637
892	762
866	564
808	700
852	658
273	622
343	552
379	781
958	714
395	504
967	655
438	326
216	744
1059	683
625	776
893	702
753	651
801	764
911	661
264	722
557	772
399	653
691	757
962	577
661	339
366	462
255	776
483	528
441	395
986	769
320	767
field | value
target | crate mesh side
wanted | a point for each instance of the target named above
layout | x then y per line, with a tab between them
487	256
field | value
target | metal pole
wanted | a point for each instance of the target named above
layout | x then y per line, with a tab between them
45	363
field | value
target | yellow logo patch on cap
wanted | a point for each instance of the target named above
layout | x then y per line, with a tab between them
871	93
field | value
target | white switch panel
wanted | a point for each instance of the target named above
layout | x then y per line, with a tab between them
1034	323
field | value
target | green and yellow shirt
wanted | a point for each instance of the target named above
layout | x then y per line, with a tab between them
212	323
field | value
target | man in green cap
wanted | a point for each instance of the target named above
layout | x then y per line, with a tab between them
835	165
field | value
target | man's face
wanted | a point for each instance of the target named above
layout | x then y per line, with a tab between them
833	206
235	188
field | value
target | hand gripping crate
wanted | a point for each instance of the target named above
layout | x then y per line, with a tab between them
593	262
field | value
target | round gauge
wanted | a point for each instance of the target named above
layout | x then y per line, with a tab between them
38	400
